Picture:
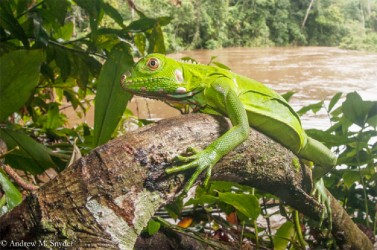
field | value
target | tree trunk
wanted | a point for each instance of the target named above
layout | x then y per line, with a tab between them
105	199
307	14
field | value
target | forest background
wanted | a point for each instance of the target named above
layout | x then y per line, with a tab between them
210	24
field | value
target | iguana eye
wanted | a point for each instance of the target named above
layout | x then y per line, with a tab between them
153	63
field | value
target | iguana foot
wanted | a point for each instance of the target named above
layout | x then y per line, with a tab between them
320	192
200	160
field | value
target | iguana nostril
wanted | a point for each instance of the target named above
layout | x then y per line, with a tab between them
123	78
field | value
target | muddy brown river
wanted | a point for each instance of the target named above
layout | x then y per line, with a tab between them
314	73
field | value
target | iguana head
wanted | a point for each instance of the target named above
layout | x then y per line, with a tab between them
156	76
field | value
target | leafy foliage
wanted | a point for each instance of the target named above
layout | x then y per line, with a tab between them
56	55
20	83
354	134
110	96
12	196
216	23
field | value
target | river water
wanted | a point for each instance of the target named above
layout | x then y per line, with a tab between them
314	73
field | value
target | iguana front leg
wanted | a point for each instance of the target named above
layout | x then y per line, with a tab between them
222	98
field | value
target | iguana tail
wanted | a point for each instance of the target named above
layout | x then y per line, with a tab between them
322	157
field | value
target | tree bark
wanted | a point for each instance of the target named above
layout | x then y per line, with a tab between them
105	199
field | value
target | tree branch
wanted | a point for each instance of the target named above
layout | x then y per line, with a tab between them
307	14
106	198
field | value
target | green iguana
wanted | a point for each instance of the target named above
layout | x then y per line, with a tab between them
214	90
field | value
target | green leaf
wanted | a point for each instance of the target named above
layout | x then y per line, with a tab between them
350	177
203	199
10	23
336	113
353	157
372	121
53	119
156	41
284	235
32	156
287	96
19	75
92	64
211	60
328	138
372	115
220	65
71	97
164	20
48	72
188	59
153	227
113	13
140	42
368	172
63	62
13	195
21	7
64	32
81	71
334	100
174	209
146	23
111	99
141	24
40	34
356	110
221	186
106	39
315	107
247	204
58	9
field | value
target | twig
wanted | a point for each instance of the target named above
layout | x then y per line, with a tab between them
30	9
18	179
75	50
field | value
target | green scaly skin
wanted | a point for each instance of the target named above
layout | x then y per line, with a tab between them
213	90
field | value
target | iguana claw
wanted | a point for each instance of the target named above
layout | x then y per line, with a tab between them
200	160
192	155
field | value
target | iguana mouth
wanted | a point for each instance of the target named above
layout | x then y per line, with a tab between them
163	95
182	96
168	89
125	81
